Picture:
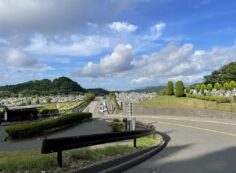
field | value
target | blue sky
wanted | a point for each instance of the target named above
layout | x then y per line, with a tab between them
115	44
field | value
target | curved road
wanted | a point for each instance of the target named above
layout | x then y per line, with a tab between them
201	146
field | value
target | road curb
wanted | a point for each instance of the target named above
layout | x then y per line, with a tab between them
128	161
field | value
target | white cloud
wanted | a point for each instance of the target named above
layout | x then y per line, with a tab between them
122	27
119	61
156	31
187	79
55	16
73	46
16	58
182	63
170	63
141	80
19	60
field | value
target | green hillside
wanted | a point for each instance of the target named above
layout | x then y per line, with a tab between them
61	85
148	89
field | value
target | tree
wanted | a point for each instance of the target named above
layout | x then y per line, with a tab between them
60	85
179	89
217	86
203	87
197	88
224	74
28	102
170	88
226	86
209	87
48	100
187	89
37	101
232	85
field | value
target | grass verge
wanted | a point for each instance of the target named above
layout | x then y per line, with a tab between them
185	102
34	161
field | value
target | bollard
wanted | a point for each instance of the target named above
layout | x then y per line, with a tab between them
59	158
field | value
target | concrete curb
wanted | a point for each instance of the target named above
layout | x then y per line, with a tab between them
128	161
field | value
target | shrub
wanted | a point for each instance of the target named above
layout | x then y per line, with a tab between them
226	86
217	86
209	87
49	112
1	113
232	85
28	102
218	99
117	125
163	92
38	128
197	88
179	89
37	101
170	88
48	100
203	87
187	90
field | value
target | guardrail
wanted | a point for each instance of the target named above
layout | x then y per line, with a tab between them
66	143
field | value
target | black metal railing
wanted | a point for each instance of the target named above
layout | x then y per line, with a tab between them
66	143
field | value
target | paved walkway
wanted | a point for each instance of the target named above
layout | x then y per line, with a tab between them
85	128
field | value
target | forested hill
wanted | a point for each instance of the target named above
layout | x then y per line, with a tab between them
62	85
226	73
148	89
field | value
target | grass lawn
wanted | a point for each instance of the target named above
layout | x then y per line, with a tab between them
34	161
185	102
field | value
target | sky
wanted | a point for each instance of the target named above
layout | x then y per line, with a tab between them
115	44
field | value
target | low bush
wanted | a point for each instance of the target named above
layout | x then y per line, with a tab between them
117	125
188	89
48	112
38	128
218	99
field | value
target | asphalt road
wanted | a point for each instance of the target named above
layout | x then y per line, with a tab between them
88	127
194	147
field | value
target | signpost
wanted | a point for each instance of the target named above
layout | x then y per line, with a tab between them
130	109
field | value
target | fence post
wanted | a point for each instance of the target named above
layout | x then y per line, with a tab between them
59	158
135	142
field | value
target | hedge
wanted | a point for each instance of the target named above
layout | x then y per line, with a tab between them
218	99
39	128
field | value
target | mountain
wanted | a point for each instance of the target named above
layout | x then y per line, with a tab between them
61	85
148	89
98	91
226	73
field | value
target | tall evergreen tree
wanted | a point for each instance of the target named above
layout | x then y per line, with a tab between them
170	88
179	89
